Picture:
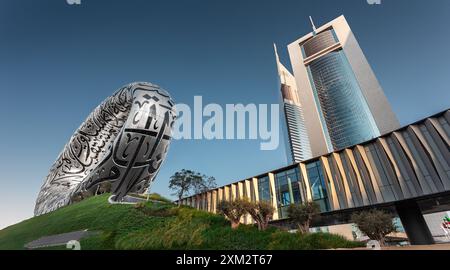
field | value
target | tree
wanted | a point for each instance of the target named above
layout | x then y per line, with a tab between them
376	224
204	184
261	212
185	182
302	214
233	211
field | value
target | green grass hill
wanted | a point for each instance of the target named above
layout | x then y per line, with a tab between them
154	225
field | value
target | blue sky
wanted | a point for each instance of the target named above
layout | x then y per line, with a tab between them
58	62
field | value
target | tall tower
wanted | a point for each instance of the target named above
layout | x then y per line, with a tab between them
342	102
295	130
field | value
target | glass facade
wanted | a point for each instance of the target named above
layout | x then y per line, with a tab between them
343	107
318	185
287	186
264	189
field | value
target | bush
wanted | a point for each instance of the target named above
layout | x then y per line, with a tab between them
310	241
158	197
156	210
261	212
104	187
233	211
81	195
376	224
302	214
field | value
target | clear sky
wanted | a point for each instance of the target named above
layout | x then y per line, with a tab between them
58	62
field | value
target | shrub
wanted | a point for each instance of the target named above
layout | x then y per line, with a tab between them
81	195
376	224
156	210
233	211
104	187
261	212
302	214
158	197
310	241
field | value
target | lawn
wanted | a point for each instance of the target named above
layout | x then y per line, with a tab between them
158	226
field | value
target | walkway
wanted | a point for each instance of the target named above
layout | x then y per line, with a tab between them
57	239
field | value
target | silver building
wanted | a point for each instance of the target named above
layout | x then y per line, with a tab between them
340	98
123	141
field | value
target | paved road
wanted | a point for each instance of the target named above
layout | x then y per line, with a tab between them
57	239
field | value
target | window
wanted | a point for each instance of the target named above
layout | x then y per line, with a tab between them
264	189
287	189
317	183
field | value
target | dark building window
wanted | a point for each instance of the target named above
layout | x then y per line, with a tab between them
264	189
318	185
287	189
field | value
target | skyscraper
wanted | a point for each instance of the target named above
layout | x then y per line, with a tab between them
341	101
296	134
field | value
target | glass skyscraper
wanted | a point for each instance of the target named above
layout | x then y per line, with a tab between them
345	113
339	99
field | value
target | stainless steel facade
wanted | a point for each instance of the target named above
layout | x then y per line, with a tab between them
410	162
123	141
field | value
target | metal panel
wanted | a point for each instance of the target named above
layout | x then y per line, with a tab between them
351	178
332	194
404	189
362	187
344	201
389	171
343	178
432	151
423	160
372	177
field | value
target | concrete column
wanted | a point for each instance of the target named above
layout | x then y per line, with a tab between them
274	195
415	226
255	188
306	180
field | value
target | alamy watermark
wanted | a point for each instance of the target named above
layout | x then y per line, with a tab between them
73	2
232	122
